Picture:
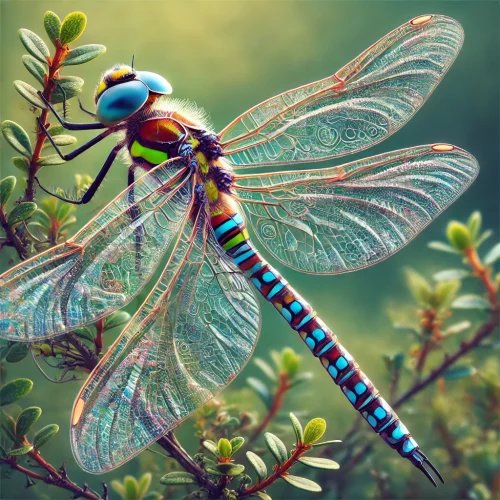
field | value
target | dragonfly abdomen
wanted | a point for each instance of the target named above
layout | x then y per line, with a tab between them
231	233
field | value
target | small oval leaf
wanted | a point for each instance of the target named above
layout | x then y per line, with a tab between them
236	444
17	352
55	159
451	274
35	67
7	186
314	430
178	478
14	390
442	247
493	255
258	464
224	447
319	463
8	425
302	483
29	93
20	163
72	27
17	137
276	447
459	372
26	420
331	441
226	469
144	484
21	212
470	301
211	447
84	54
64	140
66	88
34	45
20	451
297	427
458	235
266	368
117	319
52	25
44	434
261	389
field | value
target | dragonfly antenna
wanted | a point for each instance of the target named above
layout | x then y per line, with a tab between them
133	57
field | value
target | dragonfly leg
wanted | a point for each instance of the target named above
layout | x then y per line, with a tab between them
69	125
91	191
93	115
77	151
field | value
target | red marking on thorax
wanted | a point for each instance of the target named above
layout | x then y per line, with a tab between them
162	130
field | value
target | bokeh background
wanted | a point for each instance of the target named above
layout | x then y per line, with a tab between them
227	56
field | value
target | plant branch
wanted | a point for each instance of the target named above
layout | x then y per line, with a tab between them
169	443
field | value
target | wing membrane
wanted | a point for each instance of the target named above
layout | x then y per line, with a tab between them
193	334
340	219
360	105
99	270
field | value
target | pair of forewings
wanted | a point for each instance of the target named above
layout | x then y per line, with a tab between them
198	327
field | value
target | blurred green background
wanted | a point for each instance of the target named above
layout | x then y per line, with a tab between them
227	56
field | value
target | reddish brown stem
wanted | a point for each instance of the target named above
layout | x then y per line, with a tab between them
279	396
99	341
279	471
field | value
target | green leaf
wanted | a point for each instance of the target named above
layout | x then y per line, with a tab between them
21	212
301	378
291	362
493	255
266	368
258	464
144	483
470	301
261	389
178	478
63	140
458	372
52	25
474	224
236	444
84	54
224	447
20	163
445	292
418	286
451	274
276	447
17	137
131	487
211	447
36	68
84	333
324	443
8	425
299	433
457	328
49	160
72	27
34	45
314	430
319	463
17	352
261	495
20	451
14	390
118	487
7	186
226	469
442	247
483	238
302	483
71	87
26	420
44	434
29	93
117	319
458	235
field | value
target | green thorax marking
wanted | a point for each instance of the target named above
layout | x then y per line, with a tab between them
153	156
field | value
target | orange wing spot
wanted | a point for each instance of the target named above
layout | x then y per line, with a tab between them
77	412
420	20
231	377
442	147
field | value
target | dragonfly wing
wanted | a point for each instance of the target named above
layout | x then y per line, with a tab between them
340	219
360	105
104	265
191	337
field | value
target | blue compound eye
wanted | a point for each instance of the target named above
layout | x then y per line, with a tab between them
121	101
155	83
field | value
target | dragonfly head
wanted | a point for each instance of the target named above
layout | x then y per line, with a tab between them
123	91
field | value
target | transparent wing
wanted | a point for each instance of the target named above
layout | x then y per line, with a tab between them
193	334
103	266
360	105
340	219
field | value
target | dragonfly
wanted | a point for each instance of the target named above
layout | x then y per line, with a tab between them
190	202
